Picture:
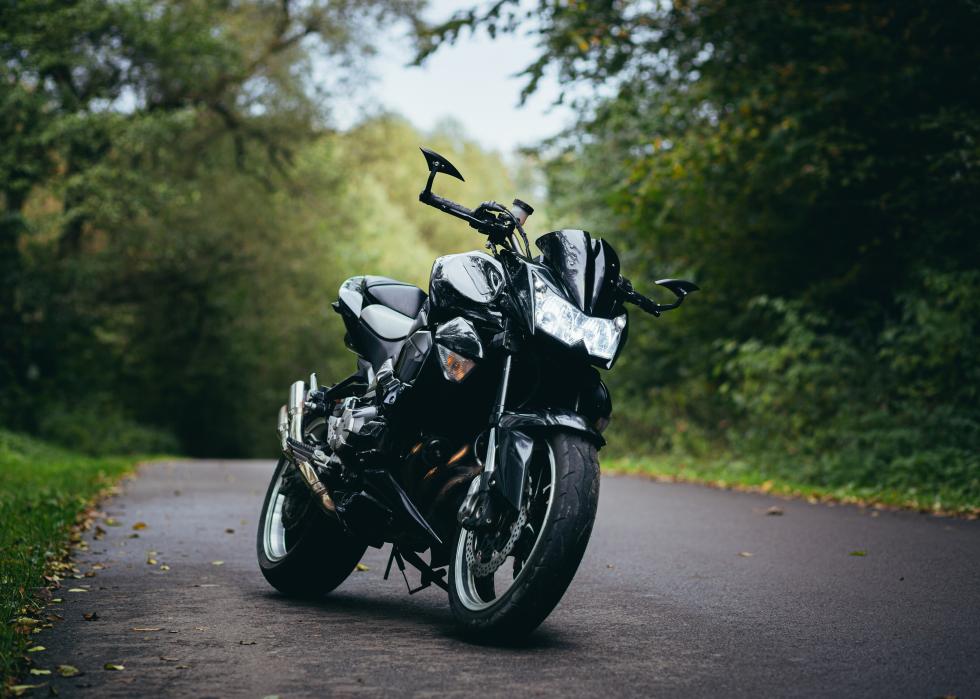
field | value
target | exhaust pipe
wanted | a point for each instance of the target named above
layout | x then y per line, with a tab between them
316	485
282	426
297	401
290	426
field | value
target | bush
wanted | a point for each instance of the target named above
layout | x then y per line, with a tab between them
96	427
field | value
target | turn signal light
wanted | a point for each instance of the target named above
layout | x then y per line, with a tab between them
455	367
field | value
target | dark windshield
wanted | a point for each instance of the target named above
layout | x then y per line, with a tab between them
588	269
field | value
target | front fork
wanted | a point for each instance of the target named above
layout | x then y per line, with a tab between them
475	510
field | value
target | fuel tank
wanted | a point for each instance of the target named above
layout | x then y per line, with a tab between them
469	282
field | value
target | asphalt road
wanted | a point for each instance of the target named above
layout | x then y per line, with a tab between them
666	603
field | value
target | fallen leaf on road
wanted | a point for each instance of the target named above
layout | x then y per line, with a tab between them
246	643
229	531
54	617
77	589
200	628
146	628
37	671
139	526
25	621
114	667
134	536
99	533
90	616
151	561
68	671
164	567
745	554
362	567
182	667
35	649
207	585
217	563
19	689
169	659
111	522
98	566
858	553
610	566
57	600
774	511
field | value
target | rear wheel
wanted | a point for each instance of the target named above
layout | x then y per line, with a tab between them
505	581
301	551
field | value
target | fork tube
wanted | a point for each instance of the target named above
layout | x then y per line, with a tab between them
498	410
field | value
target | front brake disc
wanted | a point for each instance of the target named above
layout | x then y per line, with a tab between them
484	557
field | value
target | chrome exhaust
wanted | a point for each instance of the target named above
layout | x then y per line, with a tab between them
316	485
290	427
282	426
297	402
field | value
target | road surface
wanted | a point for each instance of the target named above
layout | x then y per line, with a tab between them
684	591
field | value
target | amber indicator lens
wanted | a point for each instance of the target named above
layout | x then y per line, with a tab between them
455	367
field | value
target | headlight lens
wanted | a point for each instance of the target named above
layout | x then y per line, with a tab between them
560	319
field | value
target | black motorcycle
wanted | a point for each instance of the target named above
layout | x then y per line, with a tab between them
469	430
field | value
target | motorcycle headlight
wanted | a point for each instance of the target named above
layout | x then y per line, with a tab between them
563	321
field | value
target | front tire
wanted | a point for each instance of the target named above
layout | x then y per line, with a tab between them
540	579
301	552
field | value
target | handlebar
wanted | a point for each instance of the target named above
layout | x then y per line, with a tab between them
679	287
498	228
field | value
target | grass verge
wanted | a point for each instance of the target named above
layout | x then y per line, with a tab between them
44	491
740	475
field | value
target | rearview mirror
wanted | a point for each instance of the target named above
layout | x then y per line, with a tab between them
438	163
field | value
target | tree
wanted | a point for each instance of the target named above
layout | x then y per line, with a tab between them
814	165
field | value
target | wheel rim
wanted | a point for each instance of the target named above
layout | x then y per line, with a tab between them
479	594
274	538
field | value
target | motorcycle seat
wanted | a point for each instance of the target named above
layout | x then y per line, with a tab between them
380	313
386	323
406	299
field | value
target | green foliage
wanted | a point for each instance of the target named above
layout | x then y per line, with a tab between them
815	169
99	426
176	217
42	491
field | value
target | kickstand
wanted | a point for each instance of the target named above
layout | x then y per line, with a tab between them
429	574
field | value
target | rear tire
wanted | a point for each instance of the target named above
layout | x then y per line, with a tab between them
553	560
313	555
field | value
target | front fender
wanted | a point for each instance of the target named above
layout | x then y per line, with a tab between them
516	432
550	419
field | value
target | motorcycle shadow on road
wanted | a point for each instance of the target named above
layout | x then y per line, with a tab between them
373	614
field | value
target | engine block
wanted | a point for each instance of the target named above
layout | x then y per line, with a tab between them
347	421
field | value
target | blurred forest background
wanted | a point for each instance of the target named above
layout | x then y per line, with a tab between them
178	211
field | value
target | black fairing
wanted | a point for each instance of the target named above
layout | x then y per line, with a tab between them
468	282
587	269
459	336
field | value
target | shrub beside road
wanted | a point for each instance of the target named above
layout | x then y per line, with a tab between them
45	492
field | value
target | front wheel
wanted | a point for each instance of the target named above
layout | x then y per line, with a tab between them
506	581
